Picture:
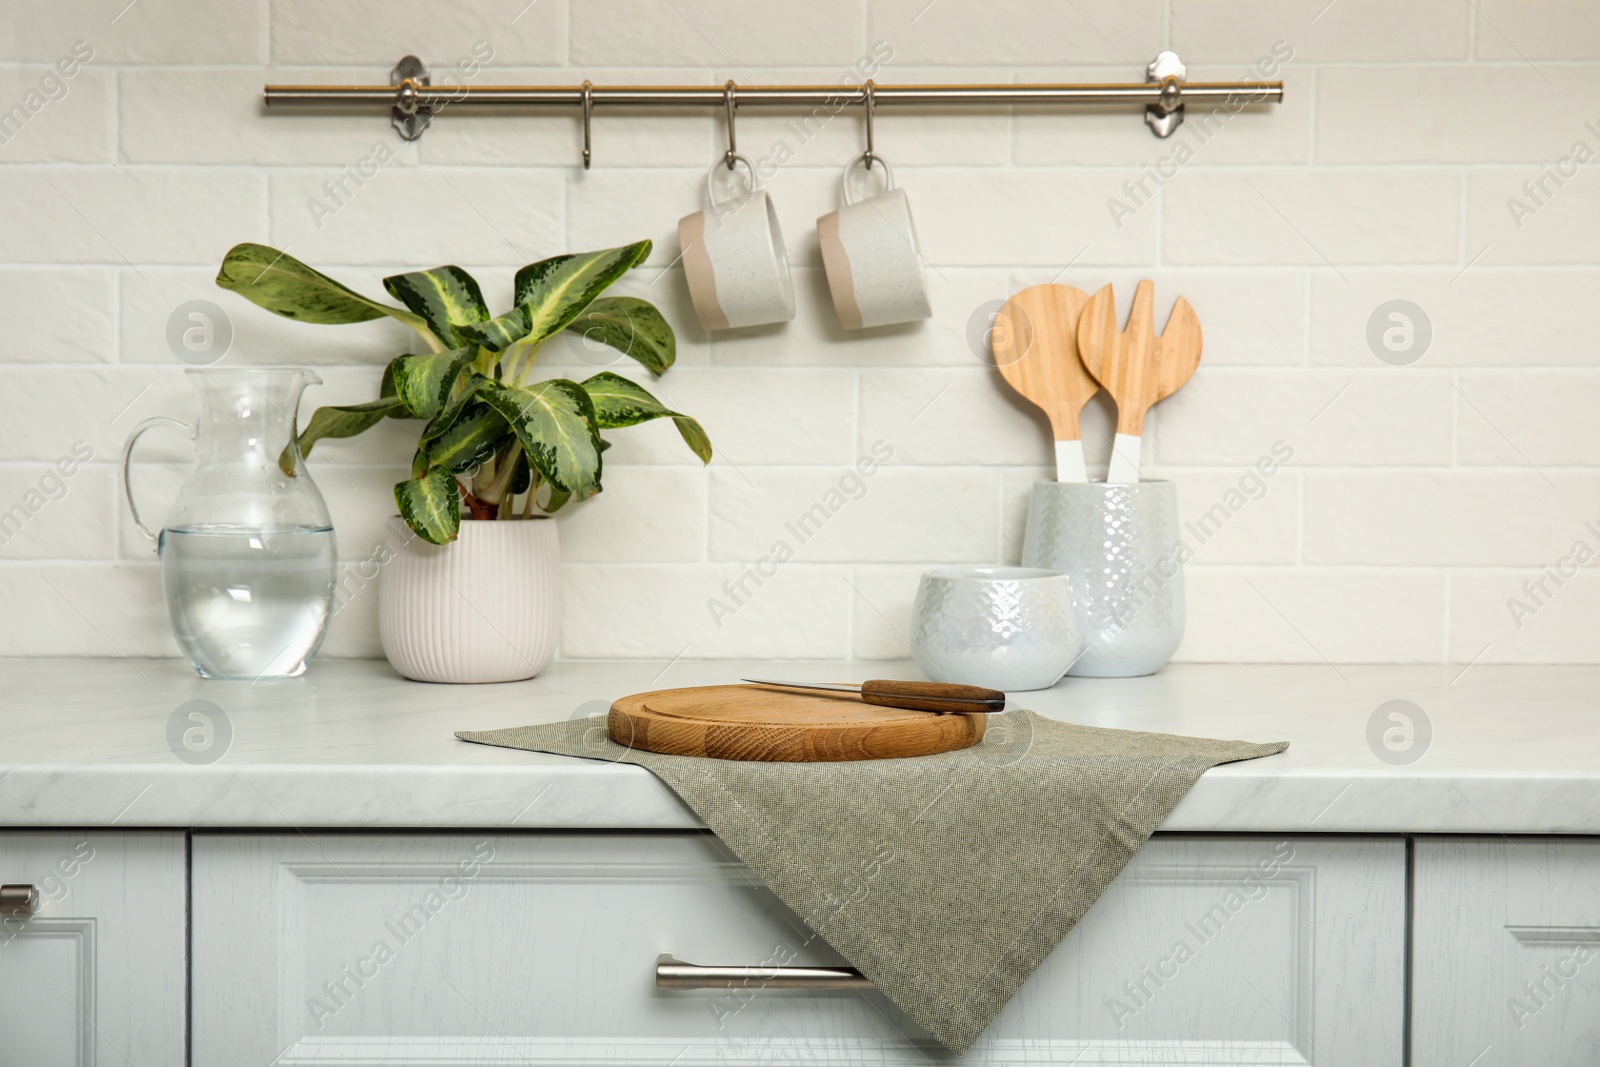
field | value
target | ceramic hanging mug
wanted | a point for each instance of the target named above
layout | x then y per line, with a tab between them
734	258
872	257
733	252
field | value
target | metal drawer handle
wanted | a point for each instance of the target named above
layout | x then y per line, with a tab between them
673	973
18	900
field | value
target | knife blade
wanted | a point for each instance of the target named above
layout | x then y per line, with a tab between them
938	697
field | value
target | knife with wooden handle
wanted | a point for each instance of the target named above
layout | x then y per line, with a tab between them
940	697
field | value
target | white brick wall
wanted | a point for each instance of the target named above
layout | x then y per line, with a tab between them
1421	504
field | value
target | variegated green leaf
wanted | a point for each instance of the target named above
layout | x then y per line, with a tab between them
522	477
447	418
343	421
555	291
500	333
285	286
554	422
633	327
431	505
470	440
424	382
557	501
619	402
445	297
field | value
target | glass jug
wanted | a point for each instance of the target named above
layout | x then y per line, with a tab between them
248	562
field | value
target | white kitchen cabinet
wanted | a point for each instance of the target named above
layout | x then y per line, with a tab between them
96	974
1506	952
540	948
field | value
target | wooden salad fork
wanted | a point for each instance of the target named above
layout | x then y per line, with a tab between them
1137	366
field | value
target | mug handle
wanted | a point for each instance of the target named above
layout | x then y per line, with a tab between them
127	462
844	181
711	188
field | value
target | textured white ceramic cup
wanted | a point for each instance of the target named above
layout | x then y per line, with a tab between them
873	260
1007	628
1121	545
735	260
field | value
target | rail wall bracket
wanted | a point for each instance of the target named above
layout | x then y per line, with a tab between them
408	117
1168	71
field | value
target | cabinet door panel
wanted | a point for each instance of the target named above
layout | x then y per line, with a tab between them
97	974
540	948
1230	950
47	993
1507	957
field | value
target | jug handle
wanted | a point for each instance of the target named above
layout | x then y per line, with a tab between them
127	463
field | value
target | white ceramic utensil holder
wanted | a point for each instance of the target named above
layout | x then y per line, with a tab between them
1007	628
1120	545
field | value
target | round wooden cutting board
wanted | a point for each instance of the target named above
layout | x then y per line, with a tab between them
752	722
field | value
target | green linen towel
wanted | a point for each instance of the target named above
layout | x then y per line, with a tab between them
945	879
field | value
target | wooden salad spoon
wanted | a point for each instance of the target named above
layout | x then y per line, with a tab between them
1035	345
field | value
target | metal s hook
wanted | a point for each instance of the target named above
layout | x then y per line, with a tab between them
870	89
730	100
588	110
731	158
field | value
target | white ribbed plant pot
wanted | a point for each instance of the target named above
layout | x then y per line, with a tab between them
484	608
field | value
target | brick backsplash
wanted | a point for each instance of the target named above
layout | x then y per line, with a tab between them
1436	152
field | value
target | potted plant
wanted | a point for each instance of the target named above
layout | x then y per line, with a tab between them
477	598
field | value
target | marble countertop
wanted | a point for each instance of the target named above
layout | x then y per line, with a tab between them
94	742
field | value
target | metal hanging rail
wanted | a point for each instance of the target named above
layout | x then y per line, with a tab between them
414	101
